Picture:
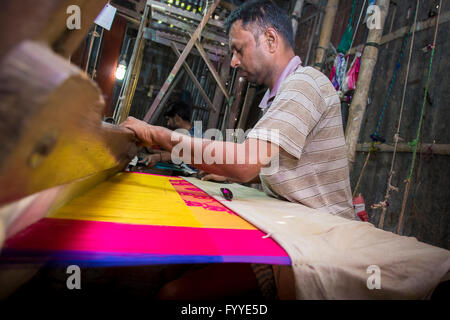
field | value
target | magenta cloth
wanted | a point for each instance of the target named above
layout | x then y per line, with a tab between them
110	243
353	73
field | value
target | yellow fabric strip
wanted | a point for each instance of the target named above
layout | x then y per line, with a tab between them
151	200
131	198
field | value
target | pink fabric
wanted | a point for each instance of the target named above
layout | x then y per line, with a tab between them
93	236
353	74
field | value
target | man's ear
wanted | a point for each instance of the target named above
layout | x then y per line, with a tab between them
272	39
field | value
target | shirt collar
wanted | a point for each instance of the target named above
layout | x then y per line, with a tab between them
270	94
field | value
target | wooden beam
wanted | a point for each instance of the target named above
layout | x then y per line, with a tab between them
180	61
212	70
441	149
194	79
325	34
399	33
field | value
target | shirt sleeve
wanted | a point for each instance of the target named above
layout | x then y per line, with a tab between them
296	110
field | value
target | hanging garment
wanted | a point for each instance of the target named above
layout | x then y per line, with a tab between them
352	75
339	67
346	40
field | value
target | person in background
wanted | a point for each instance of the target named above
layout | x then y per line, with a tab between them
178	115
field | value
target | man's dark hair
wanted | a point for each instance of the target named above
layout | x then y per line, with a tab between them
264	13
180	108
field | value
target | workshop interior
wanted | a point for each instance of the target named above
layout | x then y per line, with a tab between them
94	202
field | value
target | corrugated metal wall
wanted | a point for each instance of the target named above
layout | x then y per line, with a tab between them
157	63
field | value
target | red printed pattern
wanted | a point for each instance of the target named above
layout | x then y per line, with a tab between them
195	197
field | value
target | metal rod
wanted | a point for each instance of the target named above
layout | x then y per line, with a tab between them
121	116
97	53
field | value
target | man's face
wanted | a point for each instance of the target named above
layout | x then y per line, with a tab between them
171	123
174	122
247	54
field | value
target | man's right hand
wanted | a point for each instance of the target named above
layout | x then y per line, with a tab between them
151	160
142	130
212	177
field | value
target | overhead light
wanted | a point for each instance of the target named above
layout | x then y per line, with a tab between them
121	70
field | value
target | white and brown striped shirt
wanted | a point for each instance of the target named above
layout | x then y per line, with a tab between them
313	168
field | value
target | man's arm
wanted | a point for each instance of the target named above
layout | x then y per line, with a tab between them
241	162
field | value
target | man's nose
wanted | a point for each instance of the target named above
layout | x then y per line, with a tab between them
235	63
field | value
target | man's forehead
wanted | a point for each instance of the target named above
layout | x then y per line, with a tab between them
239	33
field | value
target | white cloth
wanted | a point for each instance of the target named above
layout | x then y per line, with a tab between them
331	256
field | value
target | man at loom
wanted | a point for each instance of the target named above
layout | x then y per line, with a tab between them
302	106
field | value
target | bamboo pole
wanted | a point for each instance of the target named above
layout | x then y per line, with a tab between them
325	35
359	102
441	149
134	81
296	14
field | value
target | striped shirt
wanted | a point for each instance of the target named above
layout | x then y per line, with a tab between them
313	166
